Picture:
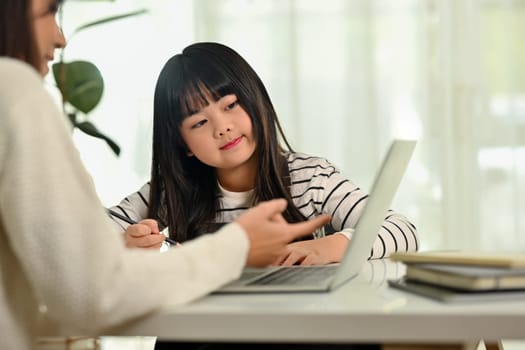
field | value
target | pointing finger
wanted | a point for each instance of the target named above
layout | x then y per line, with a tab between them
305	228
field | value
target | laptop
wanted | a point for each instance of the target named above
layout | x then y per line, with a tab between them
325	278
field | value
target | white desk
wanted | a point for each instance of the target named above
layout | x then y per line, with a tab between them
364	310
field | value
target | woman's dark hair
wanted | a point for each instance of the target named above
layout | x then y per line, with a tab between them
17	34
184	191
17	38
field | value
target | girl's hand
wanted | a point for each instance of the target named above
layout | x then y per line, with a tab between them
321	251
299	253
144	234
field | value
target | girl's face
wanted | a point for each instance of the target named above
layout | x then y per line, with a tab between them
47	33
220	134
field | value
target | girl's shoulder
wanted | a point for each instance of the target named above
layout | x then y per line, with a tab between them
304	162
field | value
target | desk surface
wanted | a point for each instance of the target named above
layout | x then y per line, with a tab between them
363	310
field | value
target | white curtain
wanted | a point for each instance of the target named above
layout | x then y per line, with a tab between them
346	77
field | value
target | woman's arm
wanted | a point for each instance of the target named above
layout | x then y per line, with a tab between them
61	240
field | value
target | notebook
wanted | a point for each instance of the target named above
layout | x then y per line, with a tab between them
467	277
459	257
328	277
450	295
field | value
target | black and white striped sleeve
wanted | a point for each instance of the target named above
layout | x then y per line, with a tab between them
134	207
318	187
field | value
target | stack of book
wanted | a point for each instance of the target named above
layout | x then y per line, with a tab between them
454	276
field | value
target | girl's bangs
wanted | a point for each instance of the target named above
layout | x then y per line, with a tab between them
198	94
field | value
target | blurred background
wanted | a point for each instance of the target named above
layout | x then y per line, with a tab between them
346	77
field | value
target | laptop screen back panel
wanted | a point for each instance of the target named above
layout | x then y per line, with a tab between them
383	190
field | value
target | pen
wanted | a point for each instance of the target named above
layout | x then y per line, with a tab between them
133	222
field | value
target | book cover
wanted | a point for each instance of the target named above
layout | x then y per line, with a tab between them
502	260
450	295
467	277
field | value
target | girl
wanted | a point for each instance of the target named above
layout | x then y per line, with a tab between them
216	152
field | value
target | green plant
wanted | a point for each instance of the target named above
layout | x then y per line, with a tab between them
81	85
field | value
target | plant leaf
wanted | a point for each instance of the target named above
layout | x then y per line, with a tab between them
109	19
80	83
72	118
91	130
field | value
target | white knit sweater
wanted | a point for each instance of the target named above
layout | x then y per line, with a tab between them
57	246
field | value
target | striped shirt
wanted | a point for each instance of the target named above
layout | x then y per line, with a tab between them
317	187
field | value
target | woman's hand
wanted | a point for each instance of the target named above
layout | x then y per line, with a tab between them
320	251
269	233
144	234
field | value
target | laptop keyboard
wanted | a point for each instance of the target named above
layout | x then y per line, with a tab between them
311	275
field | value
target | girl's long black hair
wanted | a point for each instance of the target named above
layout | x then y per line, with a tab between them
184	191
